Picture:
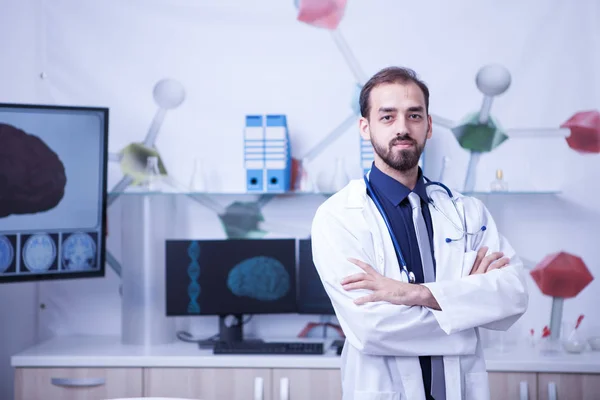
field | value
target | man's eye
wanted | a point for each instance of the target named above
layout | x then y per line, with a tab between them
386	117
415	116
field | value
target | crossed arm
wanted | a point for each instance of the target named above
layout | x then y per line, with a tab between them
376	328
400	293
381	316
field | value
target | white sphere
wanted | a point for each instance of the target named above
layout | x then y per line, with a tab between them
168	93
493	79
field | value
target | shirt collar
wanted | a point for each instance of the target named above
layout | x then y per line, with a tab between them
393	190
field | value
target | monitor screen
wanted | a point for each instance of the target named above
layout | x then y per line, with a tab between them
312	298
235	276
53	162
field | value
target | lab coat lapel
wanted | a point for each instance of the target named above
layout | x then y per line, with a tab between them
448	256
449	260
370	220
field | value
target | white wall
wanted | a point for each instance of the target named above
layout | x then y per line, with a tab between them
18	74
111	53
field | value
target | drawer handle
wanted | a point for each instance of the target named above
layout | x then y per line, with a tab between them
552	395
81	382
523	390
284	389
258	388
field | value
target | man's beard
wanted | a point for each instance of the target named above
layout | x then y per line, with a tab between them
402	160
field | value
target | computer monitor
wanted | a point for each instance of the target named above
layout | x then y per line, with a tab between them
230	278
312	298
53	162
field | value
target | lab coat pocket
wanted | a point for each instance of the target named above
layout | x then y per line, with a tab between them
477	386
468	261
368	395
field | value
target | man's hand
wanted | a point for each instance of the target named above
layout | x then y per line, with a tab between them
488	263
384	288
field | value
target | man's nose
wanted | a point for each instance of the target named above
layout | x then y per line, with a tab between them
400	127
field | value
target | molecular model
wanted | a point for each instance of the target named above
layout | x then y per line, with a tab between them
241	219
478	133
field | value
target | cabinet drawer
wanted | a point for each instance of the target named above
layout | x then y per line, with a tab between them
569	386
513	385
307	384
208	383
77	383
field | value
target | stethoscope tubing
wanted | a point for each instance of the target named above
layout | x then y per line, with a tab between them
409	274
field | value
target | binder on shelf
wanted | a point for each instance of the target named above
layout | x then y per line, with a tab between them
366	155
278	158
254	153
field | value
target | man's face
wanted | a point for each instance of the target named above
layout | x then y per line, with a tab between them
398	125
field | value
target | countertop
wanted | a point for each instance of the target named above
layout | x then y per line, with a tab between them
108	351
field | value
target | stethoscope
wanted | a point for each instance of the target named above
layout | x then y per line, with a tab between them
463	229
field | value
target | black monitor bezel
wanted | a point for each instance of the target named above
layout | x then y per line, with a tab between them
299	308
170	313
101	271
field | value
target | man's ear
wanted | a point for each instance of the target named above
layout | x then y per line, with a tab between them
363	125
430	127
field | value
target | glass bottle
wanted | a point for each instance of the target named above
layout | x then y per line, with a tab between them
306	182
152	174
499	184
198	180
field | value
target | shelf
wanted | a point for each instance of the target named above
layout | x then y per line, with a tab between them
292	194
158	193
513	193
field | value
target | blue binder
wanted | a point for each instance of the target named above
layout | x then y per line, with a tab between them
254	153
277	154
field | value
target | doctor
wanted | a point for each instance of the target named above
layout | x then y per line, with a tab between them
408	340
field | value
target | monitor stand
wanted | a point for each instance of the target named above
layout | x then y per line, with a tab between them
231	329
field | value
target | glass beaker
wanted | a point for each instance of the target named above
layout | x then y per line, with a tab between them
572	340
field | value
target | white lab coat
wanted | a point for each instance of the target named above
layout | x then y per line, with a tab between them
383	340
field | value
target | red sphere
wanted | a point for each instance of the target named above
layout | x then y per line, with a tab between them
561	275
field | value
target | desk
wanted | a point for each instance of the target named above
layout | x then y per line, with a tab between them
105	368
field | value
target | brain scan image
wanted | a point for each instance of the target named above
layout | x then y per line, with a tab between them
7	253
78	252
39	252
261	278
32	176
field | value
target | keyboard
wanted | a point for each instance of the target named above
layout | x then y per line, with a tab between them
256	347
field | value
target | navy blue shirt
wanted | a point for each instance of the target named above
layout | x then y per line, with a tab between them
393	197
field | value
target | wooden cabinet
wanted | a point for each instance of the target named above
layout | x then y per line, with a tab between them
243	383
291	384
513	385
544	386
188	383
568	386
260	384
208	383
77	383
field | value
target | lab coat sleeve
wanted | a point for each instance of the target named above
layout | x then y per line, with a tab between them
494	300
377	328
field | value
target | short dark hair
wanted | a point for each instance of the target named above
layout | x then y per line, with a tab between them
390	75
